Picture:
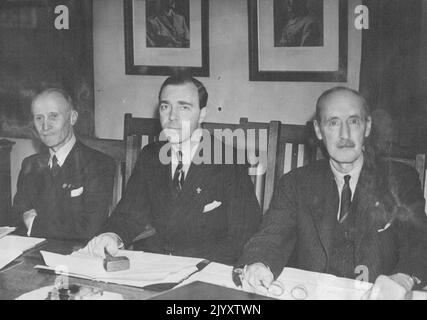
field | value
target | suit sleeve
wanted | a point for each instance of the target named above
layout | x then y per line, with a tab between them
132	213
243	216
21	200
411	227
87	217
274	243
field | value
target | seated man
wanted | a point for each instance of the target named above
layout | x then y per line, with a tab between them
198	209
352	215
63	192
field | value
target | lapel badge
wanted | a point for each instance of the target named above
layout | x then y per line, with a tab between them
198	190
64	186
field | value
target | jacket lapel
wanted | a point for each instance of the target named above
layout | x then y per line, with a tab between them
362	200
325	208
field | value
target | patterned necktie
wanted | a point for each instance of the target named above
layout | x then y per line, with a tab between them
345	199
54	170
178	177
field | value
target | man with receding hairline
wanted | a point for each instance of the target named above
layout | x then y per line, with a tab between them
353	215
64	191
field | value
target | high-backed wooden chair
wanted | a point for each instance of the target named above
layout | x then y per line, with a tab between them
289	147
122	151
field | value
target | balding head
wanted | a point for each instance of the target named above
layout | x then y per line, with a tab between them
54	117
328	94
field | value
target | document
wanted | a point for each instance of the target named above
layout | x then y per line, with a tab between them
4	231
145	268
297	284
11	247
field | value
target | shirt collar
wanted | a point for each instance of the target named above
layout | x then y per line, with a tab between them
188	147
62	153
354	174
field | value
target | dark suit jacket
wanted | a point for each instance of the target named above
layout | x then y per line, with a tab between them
300	221
181	226
61	212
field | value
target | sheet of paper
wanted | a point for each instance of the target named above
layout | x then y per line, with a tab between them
7	256
19	243
145	268
297	284
6	230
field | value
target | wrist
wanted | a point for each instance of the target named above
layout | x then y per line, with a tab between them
404	280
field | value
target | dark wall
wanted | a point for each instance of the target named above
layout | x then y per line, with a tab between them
34	55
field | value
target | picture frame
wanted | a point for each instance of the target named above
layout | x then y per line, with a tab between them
278	53
155	45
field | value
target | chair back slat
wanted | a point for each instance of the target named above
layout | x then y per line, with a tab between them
117	150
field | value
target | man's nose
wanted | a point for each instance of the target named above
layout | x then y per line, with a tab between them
45	125
173	114
345	131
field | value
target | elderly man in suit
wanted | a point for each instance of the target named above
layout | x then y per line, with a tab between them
352	215
64	191
198	208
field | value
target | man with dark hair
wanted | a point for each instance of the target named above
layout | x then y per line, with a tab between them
352	215
203	209
64	191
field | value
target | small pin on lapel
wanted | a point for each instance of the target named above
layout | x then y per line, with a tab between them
64	186
198	190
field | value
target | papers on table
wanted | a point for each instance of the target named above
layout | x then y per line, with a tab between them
145	268
12	247
6	230
297	283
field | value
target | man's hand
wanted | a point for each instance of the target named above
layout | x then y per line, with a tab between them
394	287
28	217
258	278
109	242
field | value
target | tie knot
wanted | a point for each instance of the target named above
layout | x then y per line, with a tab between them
54	160
347	179
179	156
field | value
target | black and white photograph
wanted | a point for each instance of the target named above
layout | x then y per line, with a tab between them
298	23
221	156
165	35
167	24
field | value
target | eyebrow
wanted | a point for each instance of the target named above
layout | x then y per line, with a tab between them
180	102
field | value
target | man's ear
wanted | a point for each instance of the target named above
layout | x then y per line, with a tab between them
368	126
202	115
73	117
317	130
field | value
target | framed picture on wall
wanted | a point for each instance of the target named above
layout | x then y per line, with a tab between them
162	36
298	40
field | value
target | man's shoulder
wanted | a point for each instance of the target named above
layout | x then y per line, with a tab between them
312	169
397	169
91	155
35	160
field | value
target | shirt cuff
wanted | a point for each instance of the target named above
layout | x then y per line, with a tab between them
31	225
120	243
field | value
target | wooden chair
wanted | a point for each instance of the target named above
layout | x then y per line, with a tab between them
122	152
417	161
148	130
289	147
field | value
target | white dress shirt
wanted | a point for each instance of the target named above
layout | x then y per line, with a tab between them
188	149
339	179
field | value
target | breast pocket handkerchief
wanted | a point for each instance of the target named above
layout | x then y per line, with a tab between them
211	206
76	192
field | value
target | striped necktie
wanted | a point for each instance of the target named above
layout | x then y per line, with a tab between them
179	175
345	199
